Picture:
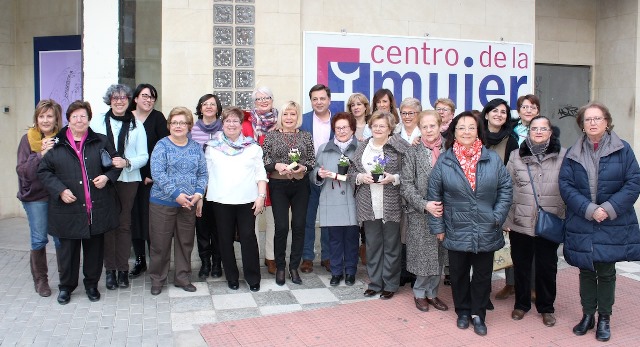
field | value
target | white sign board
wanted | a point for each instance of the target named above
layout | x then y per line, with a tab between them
469	72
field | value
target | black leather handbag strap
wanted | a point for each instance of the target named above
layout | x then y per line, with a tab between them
533	187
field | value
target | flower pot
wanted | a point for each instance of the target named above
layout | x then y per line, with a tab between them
342	170
376	177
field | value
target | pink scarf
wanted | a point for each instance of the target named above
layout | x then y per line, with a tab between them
78	150
435	149
468	159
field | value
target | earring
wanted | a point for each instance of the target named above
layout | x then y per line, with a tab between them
583	130
607	128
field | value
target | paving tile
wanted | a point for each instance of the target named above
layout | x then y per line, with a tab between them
235	314
194	303
314	295
233	301
186	320
272	298
279	309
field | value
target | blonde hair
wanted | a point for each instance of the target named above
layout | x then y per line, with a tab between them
180	111
289	105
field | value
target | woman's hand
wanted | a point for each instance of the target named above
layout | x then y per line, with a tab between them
365	178
434	207
416	141
47	144
282	169
100	181
600	215
258	206
325	173
147	181
440	237
388	178
187	201
199	208
67	196
118	162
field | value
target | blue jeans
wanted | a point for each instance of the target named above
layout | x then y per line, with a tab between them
310	228
37	217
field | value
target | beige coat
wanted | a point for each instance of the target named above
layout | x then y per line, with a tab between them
523	213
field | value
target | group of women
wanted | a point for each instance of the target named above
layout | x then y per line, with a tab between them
449	188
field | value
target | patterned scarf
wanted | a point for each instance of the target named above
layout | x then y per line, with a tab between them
223	144
77	149
435	149
35	138
468	159
263	123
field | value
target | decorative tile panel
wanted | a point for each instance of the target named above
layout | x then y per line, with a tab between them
245	14
243	100
245	57
226	98
245	36
247	1
223	35
223	57
223	78
223	14
244	78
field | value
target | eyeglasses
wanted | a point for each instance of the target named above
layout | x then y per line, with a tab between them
529	107
407	114
344	128
119	97
231	121
182	124
463	129
78	117
539	129
379	126
147	97
209	104
428	127
443	109
596	120
263	99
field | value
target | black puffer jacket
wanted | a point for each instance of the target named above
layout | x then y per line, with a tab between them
472	220
60	170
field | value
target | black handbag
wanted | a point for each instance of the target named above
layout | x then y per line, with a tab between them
548	225
105	159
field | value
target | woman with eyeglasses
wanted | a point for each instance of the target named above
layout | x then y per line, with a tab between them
337	209
501	138
261	120
208	110
536	165
38	141
128	136
600	183
446	108
475	190
528	107
82	200
155	126
235	166
179	172
378	202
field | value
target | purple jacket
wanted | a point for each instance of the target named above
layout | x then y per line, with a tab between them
29	186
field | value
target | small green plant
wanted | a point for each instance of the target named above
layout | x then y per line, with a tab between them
379	163
294	155
343	161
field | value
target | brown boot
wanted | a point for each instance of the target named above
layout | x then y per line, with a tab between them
326	264
39	271
271	266
363	254
505	292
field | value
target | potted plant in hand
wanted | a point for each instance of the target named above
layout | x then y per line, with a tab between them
294	156
379	162
343	165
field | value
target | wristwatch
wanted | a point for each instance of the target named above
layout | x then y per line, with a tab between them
262	195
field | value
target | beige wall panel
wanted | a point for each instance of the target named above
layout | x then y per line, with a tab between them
585	30
438	30
278	28
576	53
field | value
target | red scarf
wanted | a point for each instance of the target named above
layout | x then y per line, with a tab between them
435	149
78	150
468	158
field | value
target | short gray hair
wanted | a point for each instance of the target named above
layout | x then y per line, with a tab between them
116	89
263	90
412	103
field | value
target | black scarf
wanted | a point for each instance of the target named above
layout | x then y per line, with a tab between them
495	138
123	136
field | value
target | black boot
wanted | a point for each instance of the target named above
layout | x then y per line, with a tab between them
204	269
405	276
216	268
110	280
603	332
587	322
123	279
139	266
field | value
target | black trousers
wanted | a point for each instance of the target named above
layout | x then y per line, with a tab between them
140	219
523	250
471	292
287	194
230	218
69	257
207	234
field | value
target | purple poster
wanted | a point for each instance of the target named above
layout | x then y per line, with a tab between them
61	76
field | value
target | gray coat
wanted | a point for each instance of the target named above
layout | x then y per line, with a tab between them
425	253
337	204
472	220
524	212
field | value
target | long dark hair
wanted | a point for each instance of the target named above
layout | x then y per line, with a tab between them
451	132
490	106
